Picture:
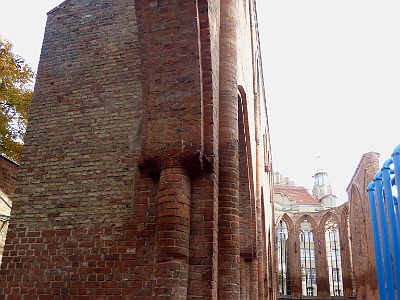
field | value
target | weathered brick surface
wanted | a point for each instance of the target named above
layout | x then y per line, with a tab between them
8	175
363	258
141	174
169	37
70	230
228	222
172	234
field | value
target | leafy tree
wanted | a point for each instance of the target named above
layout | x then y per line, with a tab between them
16	79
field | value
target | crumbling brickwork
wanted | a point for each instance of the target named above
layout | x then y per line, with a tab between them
143	172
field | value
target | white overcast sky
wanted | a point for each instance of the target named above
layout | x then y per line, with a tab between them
331	70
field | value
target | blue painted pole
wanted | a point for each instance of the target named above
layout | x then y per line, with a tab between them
380	271
396	167
396	203
392	222
385	236
396	206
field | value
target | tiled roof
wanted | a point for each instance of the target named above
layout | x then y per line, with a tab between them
297	193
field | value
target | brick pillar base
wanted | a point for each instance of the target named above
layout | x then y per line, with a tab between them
170	275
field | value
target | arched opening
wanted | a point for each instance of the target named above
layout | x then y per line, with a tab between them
307	259
358	241
347	263
284	278
333	257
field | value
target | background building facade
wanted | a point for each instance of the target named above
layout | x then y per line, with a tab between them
326	251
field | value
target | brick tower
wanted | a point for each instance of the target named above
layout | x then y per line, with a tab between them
146	168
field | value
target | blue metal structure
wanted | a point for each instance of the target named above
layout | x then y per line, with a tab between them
383	194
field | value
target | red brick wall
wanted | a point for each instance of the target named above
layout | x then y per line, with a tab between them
130	173
363	255
70	232
8	175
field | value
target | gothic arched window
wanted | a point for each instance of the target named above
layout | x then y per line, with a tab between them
333	257
285	287
307	259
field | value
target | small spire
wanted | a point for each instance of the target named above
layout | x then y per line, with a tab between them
318	161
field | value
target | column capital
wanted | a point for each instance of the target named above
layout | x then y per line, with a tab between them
193	161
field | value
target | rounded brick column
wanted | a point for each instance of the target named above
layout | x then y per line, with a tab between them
260	230
228	211
170	273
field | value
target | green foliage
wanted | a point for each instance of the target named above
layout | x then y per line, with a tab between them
16	79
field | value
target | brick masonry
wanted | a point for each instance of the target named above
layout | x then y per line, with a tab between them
141	175
363	256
